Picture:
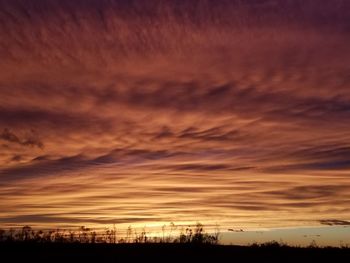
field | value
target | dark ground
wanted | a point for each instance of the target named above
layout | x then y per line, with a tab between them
36	252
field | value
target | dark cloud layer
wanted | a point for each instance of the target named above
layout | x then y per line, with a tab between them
156	111
332	222
10	137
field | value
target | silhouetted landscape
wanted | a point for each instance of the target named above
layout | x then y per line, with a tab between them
192	245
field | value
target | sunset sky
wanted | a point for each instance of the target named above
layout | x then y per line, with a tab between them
142	113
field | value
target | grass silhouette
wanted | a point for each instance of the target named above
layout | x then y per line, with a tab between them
192	234
192	244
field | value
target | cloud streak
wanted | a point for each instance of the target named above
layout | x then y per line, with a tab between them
10	137
334	222
212	111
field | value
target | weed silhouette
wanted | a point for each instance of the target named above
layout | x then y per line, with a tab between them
85	235
192	244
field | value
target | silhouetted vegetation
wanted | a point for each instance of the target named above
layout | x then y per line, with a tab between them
192	234
190	244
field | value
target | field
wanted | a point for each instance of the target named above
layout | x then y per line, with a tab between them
77	252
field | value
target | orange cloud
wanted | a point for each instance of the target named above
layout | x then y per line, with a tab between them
155	112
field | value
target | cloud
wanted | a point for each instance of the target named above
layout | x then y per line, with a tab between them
41	167
235	230
311	192
70	220
334	222
200	167
185	110
48	119
312	166
214	134
51	166
9	136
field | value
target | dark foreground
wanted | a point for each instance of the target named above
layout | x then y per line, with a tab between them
51	252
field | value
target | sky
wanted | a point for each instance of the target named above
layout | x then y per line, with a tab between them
227	112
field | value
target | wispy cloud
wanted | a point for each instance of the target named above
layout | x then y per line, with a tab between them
186	110
10	137
335	222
